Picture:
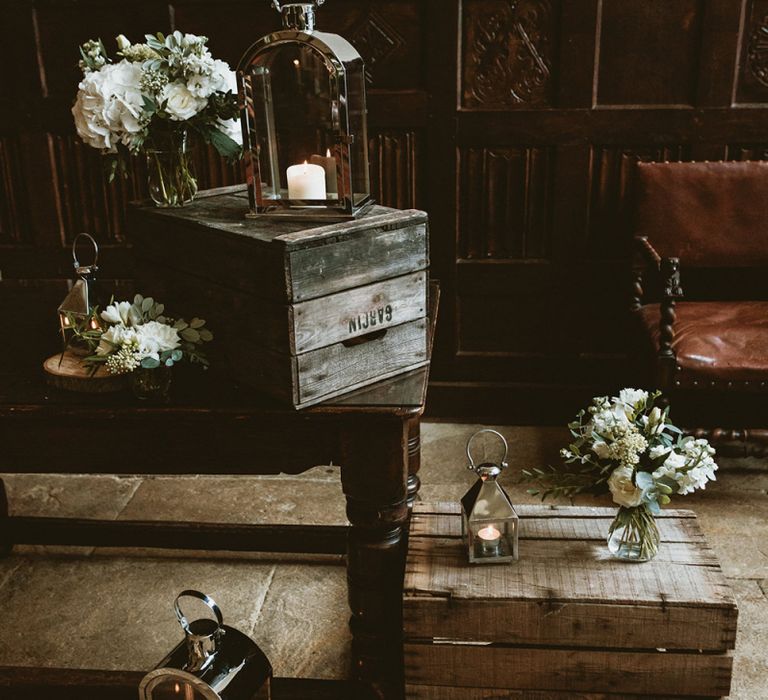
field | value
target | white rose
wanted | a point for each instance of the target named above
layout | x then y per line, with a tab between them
601	449
155	337
115	338
180	103
117	313
632	397
623	489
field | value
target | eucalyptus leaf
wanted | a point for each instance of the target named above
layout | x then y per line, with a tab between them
190	334
180	325
169	362
176	355
150	363
138	299
197	323
146	305
206	335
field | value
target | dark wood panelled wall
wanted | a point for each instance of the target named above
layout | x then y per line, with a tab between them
514	123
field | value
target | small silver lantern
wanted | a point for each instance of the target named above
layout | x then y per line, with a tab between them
489	522
77	308
304	119
213	662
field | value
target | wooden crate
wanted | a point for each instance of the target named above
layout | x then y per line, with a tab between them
304	312
566	620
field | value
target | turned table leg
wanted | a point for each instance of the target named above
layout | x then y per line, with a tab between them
414	458
374	475
5	536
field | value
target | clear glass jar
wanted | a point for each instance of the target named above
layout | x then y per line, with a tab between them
170	170
634	535
151	384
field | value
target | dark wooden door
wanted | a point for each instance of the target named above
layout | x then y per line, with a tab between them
514	123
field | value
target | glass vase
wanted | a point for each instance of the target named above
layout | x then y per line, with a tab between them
151	384
633	534
170	170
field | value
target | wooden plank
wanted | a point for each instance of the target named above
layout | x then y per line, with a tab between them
436	692
355	312
564	570
651	673
31	683
546	527
374	253
331	370
555	623
233	537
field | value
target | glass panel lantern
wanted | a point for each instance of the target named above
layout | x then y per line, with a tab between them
302	95
213	662
77	309
489	522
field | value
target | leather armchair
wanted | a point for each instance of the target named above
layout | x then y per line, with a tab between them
695	219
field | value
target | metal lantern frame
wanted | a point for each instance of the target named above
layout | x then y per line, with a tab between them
348	142
485	505
213	662
77	305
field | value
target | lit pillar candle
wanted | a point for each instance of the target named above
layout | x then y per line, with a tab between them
306	181
328	163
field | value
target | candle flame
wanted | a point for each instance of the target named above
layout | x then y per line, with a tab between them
296	62
327	152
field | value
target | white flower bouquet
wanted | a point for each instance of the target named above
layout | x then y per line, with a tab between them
137	335
627	445
150	100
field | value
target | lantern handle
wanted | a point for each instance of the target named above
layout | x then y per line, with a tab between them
503	464
279	8
85	269
210	602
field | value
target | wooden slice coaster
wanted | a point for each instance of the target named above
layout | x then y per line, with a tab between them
67	372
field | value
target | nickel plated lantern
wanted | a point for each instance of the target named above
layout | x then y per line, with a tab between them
304	120
212	662
488	518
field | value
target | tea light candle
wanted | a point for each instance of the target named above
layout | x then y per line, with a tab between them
489	538
328	163
306	181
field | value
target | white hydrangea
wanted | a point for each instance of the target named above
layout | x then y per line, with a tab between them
109	105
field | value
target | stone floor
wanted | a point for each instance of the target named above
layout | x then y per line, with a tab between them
114	607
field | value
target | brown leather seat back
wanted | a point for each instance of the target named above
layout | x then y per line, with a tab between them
706	214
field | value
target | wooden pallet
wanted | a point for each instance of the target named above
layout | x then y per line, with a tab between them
566	620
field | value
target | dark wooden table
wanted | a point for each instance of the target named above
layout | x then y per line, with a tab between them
212	426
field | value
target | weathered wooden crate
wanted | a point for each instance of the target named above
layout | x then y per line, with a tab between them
565	621
303	312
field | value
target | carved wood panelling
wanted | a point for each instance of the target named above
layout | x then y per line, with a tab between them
648	56
753	73
507	53
504	202
393	158
611	193
377	41
14	213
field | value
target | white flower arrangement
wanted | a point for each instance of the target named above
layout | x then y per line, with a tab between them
137	335
157	89
628	446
